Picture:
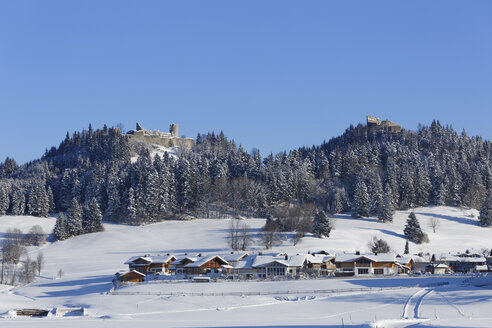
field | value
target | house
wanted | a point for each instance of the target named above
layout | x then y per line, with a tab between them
178	265
210	265
269	266
232	257
464	262
366	264
148	264
319	265
439	268
405	264
131	276
280	265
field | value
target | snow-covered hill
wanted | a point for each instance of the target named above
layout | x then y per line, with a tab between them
90	261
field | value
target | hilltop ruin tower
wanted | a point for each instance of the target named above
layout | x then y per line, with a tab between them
156	137
374	124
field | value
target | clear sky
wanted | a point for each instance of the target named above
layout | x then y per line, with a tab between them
273	75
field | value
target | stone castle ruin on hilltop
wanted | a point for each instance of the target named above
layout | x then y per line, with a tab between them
156	137
374	124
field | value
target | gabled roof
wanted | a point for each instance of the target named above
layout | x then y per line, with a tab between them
133	271
381	257
233	257
291	261
134	258
201	261
151	259
318	259
403	259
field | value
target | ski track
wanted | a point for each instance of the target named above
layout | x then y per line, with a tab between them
414	302
451	304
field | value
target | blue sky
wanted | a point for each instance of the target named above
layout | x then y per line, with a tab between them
273	75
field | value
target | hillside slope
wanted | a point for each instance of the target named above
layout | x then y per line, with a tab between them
90	261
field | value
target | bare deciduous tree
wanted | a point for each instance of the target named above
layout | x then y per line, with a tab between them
12	248
434	223
40	262
35	237
377	245
245	237
234	234
28	271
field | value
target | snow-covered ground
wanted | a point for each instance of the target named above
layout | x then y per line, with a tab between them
90	261
158	150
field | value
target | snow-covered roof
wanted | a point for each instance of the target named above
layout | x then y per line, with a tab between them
318	259
201	261
233	257
456	258
134	258
151	259
286	260
133	271
381	257
246	263
441	266
482	267
403	259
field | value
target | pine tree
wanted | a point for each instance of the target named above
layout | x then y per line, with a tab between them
412	230
131	209
51	200
92	221
376	192
361	200
322	226
4	200
386	211
38	202
18	202
407	250
74	219
60	229
485	218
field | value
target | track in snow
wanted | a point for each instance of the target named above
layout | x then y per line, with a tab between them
411	309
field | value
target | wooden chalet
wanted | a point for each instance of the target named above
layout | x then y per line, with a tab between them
148	264
207	265
405	264
131	276
319	265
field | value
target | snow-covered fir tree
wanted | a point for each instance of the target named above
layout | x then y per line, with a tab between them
386	210
322	225
412	230
485	218
74	219
92	220
360	205
60	229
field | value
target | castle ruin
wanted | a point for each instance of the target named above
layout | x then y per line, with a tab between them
374	124
156	137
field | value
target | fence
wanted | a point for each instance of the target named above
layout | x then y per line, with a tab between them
283	292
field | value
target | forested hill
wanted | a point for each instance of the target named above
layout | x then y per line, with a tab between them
353	172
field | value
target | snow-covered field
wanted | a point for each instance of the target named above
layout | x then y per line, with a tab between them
90	261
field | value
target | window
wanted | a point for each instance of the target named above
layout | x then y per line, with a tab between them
363	271
378	271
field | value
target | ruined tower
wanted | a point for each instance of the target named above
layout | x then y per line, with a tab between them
173	129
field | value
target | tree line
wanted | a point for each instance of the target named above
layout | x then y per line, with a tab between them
362	172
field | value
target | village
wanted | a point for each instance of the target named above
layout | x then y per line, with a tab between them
313	265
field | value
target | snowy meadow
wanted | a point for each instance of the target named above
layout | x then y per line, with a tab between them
89	262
